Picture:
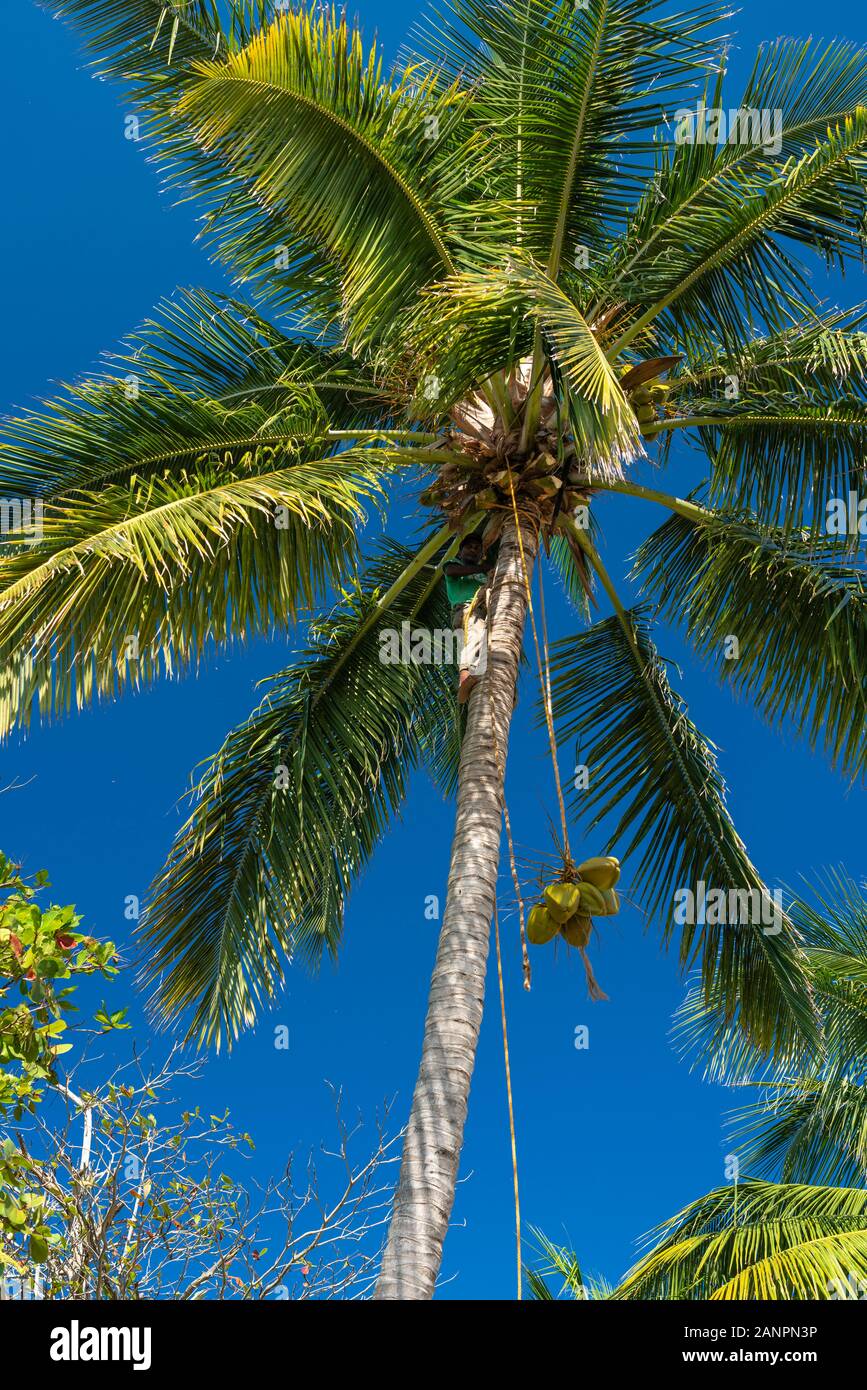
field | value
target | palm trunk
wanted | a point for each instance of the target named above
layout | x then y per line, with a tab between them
432	1147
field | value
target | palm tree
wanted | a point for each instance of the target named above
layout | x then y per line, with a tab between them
491	270
759	1241
779	1241
797	1228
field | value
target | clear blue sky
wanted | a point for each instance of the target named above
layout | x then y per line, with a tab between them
611	1140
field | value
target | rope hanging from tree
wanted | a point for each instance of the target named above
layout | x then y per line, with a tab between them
509	1096
584	890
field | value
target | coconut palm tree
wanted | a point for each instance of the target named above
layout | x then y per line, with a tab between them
759	1240
497	272
797	1228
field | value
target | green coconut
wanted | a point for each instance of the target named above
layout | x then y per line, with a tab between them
577	931
592	901
541	927
603	871
562	901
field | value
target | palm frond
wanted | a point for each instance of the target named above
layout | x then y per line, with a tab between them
207	379
154	37
274	114
141	578
290	810
469	325
807	1129
558	1263
758	1240
781	415
798	613
569	561
602	421
816	359
223	348
831	912
808	1124
707	242
650	766
151	46
830	918
787	452
569	94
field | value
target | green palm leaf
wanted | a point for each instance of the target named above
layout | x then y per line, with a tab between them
811	1125
558	1263
222	348
602	421
826	352
151	45
468	325
780	415
208	379
807	1123
809	1129
290	810
787	450
759	1241
650	766
799	614
704	244
142	577
152	37
570	93
273	114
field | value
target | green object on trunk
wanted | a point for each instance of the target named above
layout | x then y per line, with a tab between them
461	589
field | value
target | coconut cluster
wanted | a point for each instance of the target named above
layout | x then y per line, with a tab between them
492	466
568	906
649	404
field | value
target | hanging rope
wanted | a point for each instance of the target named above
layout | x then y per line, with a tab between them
509	1098
549	710
544	675
516	882
544	669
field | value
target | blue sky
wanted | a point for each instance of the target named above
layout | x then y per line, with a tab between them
612	1139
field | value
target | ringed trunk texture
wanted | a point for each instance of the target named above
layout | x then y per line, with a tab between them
432	1147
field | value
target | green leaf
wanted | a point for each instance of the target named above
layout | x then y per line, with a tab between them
272	113
798	611
291	809
206	379
141	578
707	242
653	770
38	1249
759	1240
568	94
